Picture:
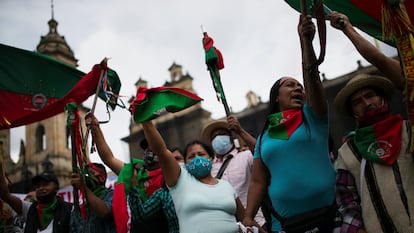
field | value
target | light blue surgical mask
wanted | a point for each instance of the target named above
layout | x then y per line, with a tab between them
199	167
221	144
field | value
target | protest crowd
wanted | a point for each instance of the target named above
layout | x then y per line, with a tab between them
283	180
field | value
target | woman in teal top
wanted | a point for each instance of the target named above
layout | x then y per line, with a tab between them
291	160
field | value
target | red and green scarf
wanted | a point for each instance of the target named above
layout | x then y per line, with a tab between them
283	124
380	142
147	183
45	213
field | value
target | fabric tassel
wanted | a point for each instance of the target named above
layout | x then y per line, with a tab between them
397	26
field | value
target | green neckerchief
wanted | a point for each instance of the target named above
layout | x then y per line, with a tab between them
45	213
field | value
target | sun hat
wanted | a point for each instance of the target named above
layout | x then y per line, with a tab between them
210	127
357	82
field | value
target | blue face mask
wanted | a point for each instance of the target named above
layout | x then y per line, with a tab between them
199	167
221	144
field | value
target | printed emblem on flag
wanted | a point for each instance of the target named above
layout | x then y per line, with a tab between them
39	100
379	148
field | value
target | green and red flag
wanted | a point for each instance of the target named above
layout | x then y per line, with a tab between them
149	103
214	62
283	124
34	86
364	14
121	210
147	183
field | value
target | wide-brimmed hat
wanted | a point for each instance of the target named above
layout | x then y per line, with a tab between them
382	84
45	176
210	127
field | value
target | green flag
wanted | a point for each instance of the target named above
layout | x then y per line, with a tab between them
152	102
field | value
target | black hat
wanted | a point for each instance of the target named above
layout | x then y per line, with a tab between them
45	176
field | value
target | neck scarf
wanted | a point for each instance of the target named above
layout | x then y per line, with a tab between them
380	142
45	213
283	124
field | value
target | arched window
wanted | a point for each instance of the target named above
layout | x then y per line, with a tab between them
40	138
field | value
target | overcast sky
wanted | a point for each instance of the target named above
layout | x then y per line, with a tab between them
258	40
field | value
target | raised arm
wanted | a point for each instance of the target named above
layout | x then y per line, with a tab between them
104	151
5	194
170	168
388	66
315	94
233	124
96	204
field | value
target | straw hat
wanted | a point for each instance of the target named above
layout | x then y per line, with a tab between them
360	81
210	127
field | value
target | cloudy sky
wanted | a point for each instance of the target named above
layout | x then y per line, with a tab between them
258	39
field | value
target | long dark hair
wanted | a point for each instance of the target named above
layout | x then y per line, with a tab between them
273	107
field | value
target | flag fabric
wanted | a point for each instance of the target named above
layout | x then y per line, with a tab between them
365	15
214	61
120	207
283	124
30	82
213	55
147	183
381	142
34	86
110	87
397	26
150	103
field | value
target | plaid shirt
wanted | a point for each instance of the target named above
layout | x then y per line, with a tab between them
348	202
160	199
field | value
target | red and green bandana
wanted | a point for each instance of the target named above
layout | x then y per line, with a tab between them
380	142
45	213
122	213
283	124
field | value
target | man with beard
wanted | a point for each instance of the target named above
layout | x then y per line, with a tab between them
98	202
374	185
49	214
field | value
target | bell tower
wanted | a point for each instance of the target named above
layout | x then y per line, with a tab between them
48	145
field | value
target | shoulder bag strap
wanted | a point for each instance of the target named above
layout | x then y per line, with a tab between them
224	166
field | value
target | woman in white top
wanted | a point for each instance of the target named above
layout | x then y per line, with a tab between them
202	202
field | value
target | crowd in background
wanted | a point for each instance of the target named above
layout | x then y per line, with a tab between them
282	181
